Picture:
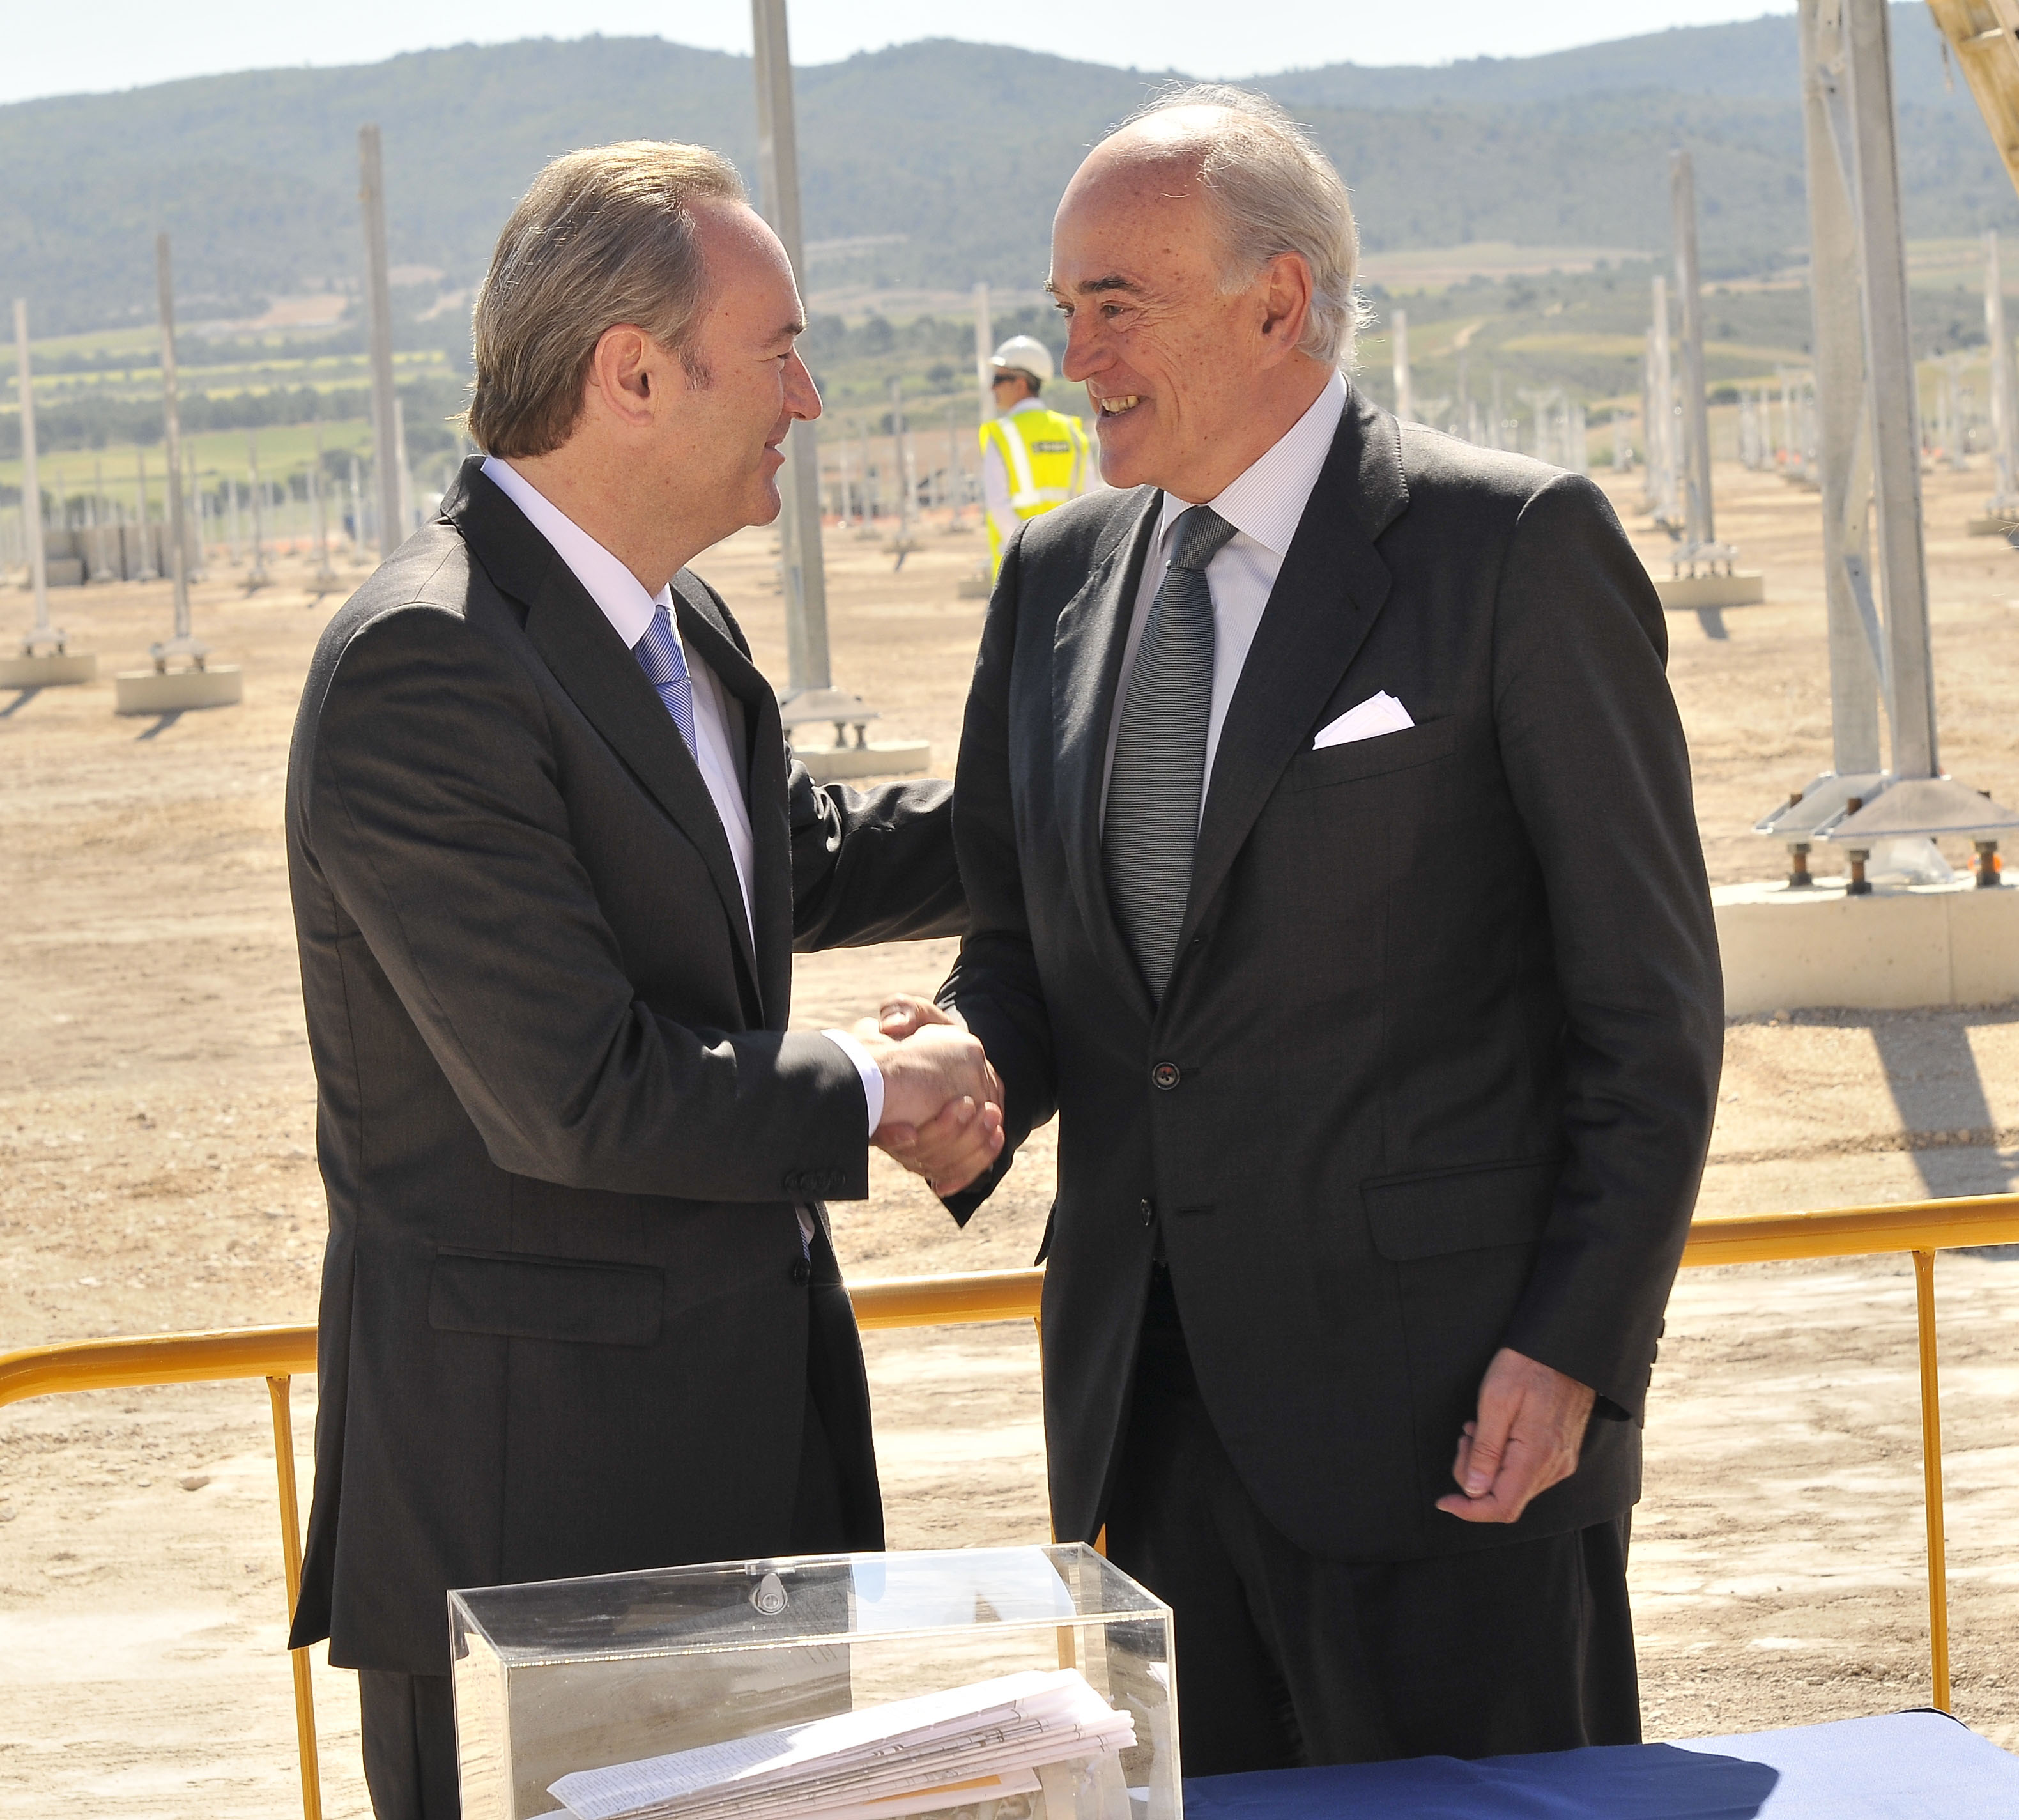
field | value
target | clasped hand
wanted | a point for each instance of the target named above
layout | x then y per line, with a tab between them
942	1102
1527	1437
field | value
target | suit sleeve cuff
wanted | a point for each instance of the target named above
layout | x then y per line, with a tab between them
872	1075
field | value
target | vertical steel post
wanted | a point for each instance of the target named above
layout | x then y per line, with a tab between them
900	458
1889	361
1661	408
984	347
172	432
291	1565
147	572
807	663
257	489
325	576
1405	395
1697	517
2004	418
1931	1477
403	471
1843	430
31	493
379	311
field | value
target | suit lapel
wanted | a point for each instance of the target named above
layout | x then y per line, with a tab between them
1326	597
588	660
1091	634
708	638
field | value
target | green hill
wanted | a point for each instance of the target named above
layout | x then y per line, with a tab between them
945	158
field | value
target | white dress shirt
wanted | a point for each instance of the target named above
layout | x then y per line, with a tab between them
625	603
1264	504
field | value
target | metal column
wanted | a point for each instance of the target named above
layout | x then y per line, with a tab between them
1662	501
984	347
1868	450
183	644
1864	36
1844	431
378	310
807	664
1699	543
42	634
2004	503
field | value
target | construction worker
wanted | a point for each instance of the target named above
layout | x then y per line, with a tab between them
1032	458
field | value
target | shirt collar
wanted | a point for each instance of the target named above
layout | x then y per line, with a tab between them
1024	405
616	591
1265	503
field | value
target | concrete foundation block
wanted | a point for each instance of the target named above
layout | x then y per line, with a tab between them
1991	527
880	757
47	672
173	691
1691	593
1894	950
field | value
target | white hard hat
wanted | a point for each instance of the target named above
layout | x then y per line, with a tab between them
1020	354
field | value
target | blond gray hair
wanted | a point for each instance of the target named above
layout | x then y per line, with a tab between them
603	237
1276	192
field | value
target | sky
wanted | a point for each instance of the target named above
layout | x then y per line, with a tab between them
131	43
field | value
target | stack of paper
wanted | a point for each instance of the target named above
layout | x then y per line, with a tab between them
910	1756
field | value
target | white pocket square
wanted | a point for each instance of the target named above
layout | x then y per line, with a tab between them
1378	714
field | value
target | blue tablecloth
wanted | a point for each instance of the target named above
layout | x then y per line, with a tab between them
1906	1766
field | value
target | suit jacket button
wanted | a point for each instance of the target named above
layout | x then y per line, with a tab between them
1165	1076
794	1181
833	1183
803	1271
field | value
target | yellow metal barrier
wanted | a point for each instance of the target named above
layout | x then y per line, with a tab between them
1920	1228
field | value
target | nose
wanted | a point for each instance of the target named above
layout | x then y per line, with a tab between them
1083	357
803	397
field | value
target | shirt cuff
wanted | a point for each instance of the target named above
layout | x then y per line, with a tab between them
872	1076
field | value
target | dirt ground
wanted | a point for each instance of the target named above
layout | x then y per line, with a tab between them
156	1173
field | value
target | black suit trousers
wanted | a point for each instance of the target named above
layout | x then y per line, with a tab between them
408	1721
1286	1660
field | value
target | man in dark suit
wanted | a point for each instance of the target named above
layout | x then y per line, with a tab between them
549	864
1326	825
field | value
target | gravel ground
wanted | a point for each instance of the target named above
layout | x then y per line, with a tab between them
156	1174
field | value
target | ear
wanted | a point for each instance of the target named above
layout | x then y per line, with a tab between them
627	375
1285	288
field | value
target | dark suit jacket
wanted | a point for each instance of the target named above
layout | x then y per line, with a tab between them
565	1324
1435	1071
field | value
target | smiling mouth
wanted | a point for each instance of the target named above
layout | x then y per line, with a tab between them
1115	407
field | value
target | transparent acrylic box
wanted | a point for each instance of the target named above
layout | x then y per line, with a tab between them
560	1675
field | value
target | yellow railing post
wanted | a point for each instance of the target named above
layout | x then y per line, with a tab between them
291	1558
1931	1470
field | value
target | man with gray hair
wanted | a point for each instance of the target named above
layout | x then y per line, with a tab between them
550	860
1326	826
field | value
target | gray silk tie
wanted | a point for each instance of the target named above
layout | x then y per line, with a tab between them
1158	780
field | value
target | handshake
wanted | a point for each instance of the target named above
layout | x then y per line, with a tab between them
942	1102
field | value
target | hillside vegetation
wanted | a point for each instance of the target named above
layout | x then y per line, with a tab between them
933	163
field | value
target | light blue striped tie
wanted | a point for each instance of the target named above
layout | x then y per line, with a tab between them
659	657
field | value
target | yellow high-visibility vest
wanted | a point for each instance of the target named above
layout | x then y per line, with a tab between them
1045	455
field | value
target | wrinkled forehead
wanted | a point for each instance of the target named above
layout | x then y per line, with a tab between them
1133	223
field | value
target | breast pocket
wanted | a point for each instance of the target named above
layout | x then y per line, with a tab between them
525	1297
1376	757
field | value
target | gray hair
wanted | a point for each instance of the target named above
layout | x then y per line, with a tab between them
603	237
1276	192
